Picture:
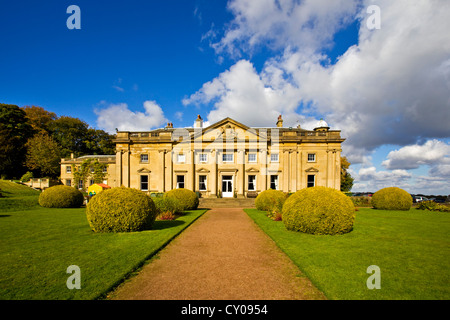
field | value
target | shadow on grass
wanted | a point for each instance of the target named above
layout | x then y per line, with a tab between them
164	224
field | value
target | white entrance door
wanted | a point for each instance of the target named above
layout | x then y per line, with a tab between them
227	186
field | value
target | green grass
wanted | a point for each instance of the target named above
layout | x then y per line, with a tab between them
412	250
38	244
16	197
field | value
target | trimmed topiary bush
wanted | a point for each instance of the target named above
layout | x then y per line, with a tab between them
319	210
167	207
187	199
392	198
271	201
120	210
61	196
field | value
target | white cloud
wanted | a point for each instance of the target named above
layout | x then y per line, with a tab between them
393	87
243	94
121	117
305	25
433	152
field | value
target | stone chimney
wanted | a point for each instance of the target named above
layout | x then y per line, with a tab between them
169	125
280	122
198	122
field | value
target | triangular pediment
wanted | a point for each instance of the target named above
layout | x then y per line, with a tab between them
312	170
252	170
203	170
227	129
143	170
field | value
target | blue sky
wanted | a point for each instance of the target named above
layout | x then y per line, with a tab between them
137	64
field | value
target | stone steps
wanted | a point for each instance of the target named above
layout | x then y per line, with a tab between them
226	203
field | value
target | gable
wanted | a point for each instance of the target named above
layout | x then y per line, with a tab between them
226	129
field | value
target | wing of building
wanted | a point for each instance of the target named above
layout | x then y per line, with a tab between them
225	159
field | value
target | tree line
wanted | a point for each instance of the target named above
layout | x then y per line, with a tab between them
34	140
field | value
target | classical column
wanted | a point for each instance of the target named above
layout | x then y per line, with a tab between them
163	169
119	179
264	173
213	175
241	173
328	169
293	164
126	175
170	169
300	170
338	169
193	170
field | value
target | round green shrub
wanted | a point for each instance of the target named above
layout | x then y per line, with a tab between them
392	198
120	210
319	210
187	199
271	201
61	196
167	204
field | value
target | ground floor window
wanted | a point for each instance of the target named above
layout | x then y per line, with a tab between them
144	183
311	180
180	182
202	183
80	184
274	182
68	182
251	183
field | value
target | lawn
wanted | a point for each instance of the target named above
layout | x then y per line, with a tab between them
412	250
38	244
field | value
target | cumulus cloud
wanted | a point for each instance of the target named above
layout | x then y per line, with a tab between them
304	25
243	94
392	87
433	152
121	117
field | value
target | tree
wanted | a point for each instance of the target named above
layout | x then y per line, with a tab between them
99	142
70	133
346	178
43	155
14	133
89	168
39	118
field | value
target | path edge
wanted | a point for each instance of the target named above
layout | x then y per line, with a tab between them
138	267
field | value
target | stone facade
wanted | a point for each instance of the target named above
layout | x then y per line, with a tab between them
69	164
225	159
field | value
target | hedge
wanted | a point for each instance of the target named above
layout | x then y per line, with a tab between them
61	196
187	199
120	210
392	198
319	210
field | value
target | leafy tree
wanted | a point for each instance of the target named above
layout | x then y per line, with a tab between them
14	133
43	155
39	118
70	133
99	142
89	168
346	178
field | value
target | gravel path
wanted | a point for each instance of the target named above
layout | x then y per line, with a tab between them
222	256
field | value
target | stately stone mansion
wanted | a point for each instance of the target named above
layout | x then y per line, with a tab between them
225	159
